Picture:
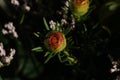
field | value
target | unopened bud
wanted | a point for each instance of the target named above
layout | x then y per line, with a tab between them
55	41
79	7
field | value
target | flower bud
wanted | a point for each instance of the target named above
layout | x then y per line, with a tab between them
79	7
55	41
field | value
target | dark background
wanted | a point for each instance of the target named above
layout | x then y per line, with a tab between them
96	45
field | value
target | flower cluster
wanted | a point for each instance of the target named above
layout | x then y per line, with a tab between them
115	66
17	3
52	24
5	59
10	29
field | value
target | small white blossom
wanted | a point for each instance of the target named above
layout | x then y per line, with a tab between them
4	31
12	53
73	23
5	59
10	29
26	7
115	67
2	51
15	34
63	21
1	64
52	24
15	2
67	3
65	9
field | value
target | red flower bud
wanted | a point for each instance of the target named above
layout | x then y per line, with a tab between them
55	41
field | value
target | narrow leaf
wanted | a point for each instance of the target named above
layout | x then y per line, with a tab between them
59	57
67	31
46	54
85	28
36	34
107	29
37	49
48	58
46	25
22	18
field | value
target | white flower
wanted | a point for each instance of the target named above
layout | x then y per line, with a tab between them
27	8
12	53
10	29
63	21
67	3
15	2
73	23
2	51
1	64
52	24
15	34
115	67
6	59
4	31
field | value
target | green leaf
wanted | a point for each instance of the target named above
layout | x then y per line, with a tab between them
49	57
85	27
107	29
67	31
66	53
37	49
46	54
57	28
37	35
22	18
95	26
46	25
59	57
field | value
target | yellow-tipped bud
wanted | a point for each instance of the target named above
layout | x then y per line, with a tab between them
79	7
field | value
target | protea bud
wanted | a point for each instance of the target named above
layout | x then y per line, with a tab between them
79	7
55	41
